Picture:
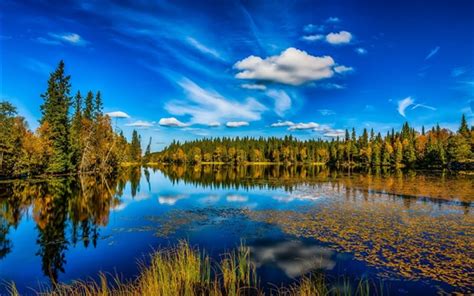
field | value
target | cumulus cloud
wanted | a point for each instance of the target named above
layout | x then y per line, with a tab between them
433	52
207	106
117	114
292	66
233	124
304	126
202	48
282	124
70	38
254	86
361	51
407	102
172	121
140	123
312	38
282	101
342	37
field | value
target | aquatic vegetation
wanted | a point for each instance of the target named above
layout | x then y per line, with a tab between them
183	270
415	241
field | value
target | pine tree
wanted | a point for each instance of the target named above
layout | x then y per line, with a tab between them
55	111
89	106
148	151
76	131
464	129
135	148
98	106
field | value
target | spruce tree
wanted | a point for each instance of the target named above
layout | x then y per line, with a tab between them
463	129
55	111
98	105
89	106
76	131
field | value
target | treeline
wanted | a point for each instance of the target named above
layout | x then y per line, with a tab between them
437	147
74	135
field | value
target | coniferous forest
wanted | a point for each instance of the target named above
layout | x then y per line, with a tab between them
74	135
437	147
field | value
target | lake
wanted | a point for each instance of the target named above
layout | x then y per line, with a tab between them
411	231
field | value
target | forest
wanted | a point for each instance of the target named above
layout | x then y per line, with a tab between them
74	135
437	147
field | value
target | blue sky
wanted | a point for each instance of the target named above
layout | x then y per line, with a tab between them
191	69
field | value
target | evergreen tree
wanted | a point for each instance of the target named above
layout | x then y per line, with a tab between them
89	106
55	111
464	129
135	148
76	131
98	105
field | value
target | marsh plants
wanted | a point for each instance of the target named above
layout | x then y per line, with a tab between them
184	270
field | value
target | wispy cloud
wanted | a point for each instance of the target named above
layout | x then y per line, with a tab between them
311	28
312	38
458	71
207	106
361	51
140	124
292	66
37	66
433	52
234	124
254	86
203	48
282	101
282	124
333	19
407	102
326	112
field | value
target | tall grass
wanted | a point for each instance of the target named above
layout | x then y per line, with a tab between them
183	270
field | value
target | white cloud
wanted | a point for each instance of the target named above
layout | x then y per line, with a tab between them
117	114
233	124
140	123
292	66
403	104
172	121
432	53
361	51
71	38
312	38
214	124
236	198
304	126
342	37
343	69
202	48
333	19
310	28
207	106
282	101
282	123
170	200
254	86
335	133
407	102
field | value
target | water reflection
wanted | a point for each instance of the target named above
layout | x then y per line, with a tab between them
66	211
408	224
294	257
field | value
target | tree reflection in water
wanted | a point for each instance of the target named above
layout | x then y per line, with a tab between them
82	203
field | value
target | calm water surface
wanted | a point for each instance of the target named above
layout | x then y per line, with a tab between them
412	231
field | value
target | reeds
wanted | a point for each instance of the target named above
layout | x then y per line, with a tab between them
183	270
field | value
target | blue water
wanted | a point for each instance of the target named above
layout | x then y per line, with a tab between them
130	232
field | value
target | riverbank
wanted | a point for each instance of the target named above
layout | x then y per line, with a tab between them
183	270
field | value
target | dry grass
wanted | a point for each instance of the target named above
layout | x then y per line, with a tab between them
183	270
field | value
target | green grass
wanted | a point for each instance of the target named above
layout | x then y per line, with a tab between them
183	270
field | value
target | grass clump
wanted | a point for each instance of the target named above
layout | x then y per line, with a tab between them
183	270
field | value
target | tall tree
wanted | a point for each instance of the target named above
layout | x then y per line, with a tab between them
76	131
55	120
463	128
